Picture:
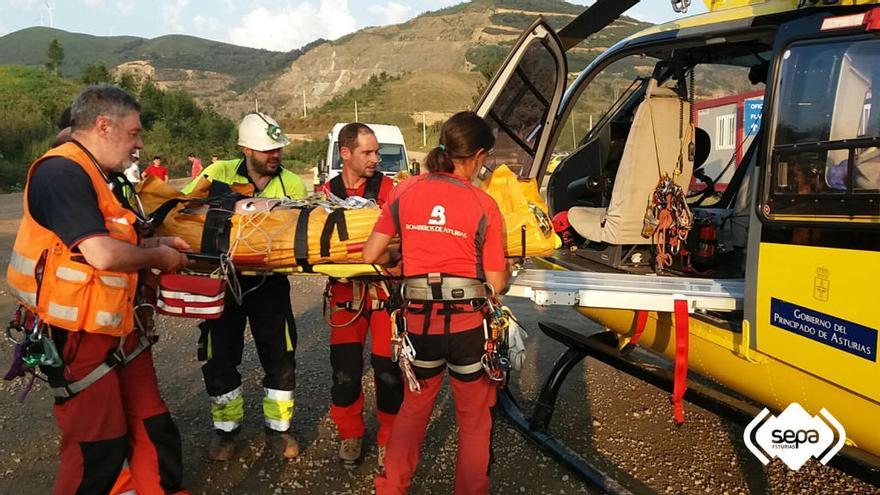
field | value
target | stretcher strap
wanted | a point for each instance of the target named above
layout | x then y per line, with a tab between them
218	224
337	187
301	238
681	358
159	214
371	188
336	219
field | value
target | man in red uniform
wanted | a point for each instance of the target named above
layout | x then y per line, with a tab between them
451	236
358	306
75	266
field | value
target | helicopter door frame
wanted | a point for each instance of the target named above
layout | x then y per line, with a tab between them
539	32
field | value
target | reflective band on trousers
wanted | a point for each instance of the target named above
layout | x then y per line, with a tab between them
227	410
69	313
278	408
22	264
227	397
277	425
70	274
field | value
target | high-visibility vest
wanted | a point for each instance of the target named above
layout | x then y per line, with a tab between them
58	285
234	172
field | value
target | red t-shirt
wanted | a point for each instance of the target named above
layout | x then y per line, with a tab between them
158	170
196	168
384	189
446	226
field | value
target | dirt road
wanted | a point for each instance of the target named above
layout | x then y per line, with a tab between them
604	415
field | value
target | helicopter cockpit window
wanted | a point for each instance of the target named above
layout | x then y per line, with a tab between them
520	111
826	148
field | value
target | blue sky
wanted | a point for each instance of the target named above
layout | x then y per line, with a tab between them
271	24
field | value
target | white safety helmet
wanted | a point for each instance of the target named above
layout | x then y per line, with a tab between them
260	132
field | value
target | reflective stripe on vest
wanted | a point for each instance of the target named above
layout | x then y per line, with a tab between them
22	264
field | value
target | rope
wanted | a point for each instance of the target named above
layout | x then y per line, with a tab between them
357	314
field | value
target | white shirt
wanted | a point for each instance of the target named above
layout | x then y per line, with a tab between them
133	173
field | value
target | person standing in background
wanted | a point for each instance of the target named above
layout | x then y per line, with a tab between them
156	169
196	165
133	171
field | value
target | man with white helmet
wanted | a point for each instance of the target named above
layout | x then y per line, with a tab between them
266	304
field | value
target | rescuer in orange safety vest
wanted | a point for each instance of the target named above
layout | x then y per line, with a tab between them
74	270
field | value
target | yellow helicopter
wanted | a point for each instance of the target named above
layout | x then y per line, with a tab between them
762	276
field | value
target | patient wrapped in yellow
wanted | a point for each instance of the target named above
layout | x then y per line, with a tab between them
273	234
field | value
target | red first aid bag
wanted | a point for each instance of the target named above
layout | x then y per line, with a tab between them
190	296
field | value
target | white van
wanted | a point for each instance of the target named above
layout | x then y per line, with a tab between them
392	150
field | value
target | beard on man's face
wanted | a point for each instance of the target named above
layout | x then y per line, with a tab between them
271	166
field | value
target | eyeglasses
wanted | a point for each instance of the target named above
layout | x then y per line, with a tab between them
273	131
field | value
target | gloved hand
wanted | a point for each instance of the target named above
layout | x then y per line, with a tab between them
516	347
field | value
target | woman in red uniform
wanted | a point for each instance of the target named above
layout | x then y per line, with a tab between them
452	247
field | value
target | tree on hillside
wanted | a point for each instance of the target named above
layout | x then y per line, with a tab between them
56	56
95	74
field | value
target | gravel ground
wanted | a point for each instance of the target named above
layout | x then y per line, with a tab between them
612	419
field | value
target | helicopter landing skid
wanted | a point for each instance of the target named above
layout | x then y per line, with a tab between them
603	347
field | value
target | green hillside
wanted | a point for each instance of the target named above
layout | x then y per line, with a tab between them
246	65
32	99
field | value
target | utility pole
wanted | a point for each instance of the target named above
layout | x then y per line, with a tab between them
573	135
591	122
424	131
356	111
305	111
256	105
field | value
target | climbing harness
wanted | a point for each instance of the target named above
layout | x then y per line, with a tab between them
360	288
668	218
674	221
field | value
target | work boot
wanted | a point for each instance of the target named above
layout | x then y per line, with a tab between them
350	451
282	443
380	458
222	446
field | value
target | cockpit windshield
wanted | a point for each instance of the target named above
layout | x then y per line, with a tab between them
826	140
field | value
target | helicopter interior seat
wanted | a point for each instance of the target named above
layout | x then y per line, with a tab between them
653	148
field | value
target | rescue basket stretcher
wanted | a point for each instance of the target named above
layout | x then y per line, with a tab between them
313	235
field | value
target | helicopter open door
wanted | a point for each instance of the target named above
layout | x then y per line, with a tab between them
522	99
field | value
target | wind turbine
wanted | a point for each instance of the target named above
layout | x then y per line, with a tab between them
50	6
